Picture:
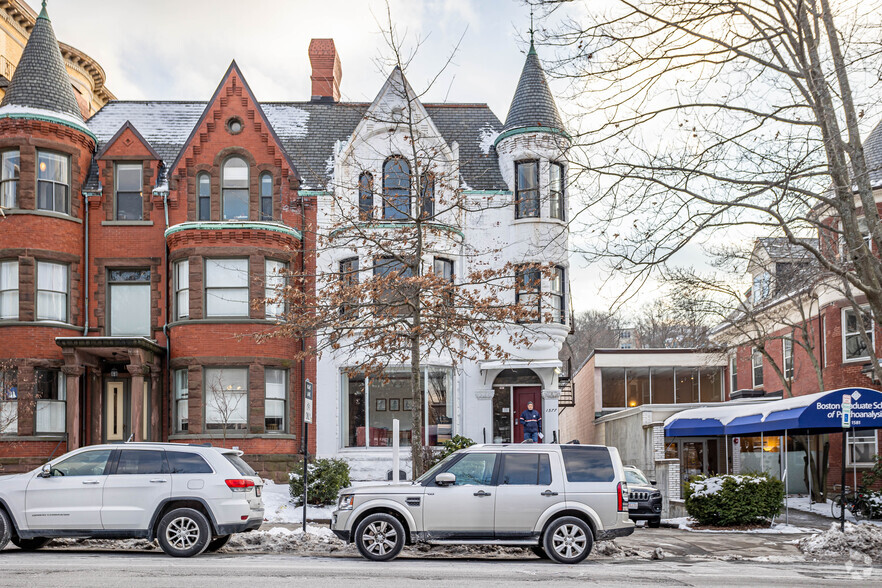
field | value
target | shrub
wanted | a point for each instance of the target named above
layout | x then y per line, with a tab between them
326	478
734	500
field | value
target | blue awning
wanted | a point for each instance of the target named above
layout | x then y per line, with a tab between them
813	413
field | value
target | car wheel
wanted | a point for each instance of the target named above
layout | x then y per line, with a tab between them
379	537
217	543
654	523
568	540
184	532
5	529
540	553
30	544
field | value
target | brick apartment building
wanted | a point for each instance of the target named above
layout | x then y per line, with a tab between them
134	252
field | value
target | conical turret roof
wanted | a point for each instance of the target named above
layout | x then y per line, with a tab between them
40	80
533	105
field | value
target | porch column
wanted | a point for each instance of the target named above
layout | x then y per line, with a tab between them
485	410
97	394
72	374
156	396
137	398
550	419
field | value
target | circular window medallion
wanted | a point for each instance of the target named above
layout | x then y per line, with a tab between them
234	126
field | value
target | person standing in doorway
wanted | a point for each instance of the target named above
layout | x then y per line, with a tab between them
532	421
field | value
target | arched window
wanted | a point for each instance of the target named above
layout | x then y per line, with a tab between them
427	187
365	196
396	188
203	186
266	196
235	189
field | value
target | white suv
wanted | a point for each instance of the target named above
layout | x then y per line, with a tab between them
556	499
189	497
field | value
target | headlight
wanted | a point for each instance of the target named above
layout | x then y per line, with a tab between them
346	502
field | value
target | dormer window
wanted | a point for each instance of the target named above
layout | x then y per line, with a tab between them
396	188
527	189
235	189
129	202
762	287
365	196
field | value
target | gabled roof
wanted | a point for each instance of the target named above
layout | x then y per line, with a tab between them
128	125
532	104
308	130
781	249
873	153
41	80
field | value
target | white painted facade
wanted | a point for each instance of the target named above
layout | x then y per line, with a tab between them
485	232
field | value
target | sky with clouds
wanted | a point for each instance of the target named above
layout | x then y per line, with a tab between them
178	50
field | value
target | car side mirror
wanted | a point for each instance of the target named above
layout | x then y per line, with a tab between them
653	482
445	479
46	472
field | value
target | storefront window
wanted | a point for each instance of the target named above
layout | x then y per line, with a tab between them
613	382
687	385
373	403
662	385
711	382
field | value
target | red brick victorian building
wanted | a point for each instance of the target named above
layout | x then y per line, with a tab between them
135	251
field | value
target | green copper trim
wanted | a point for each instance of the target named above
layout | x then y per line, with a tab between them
52	119
313	193
44	13
447	228
224	225
549	130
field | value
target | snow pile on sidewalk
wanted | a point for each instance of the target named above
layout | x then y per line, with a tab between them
865	540
279	507
280	540
688	523
711	486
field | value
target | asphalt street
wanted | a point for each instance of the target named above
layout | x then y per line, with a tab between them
74	568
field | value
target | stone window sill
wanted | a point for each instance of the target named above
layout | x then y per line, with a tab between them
127	223
48	213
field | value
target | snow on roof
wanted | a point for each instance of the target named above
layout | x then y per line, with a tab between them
13	110
725	413
486	137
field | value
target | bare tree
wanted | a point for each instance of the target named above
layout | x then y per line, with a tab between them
224	403
592	329
397	281
674	320
8	397
716	115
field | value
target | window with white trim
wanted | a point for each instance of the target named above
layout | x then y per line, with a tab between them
53	291
234	187
853	346
226	287
527	189
863	445
182	396
9	401
129	291
10	170
226	398
762	287
203	186
266	197
276	402
129	203
528	292
733	373
558	296
756	360
275	285
51	401
557	191
53	182
788	358
8	290
182	289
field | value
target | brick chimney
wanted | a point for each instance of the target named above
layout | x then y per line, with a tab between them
326	70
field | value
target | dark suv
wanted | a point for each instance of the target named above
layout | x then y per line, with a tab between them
644	500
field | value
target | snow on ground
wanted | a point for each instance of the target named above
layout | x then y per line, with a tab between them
279	507
862	540
686	524
279	539
803	504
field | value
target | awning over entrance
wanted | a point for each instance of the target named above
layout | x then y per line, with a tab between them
813	413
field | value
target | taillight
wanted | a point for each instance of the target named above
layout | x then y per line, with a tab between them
622	491
241	485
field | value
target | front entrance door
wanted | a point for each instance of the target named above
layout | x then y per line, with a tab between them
522	396
117	415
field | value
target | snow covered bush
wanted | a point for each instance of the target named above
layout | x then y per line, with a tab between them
326	478
728	500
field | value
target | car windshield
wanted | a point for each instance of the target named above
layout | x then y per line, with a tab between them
435	469
636	477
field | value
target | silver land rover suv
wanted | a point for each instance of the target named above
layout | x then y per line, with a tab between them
190	498
557	499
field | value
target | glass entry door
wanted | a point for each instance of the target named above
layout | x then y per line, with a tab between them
117	420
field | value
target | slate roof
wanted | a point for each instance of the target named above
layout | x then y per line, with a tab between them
780	249
308	131
93	180
40	79
873	153
532	104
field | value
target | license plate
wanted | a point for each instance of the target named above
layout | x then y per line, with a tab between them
633	506
257	490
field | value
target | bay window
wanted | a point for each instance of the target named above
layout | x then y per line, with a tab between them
528	292
557	194
370	405
526	189
8	290
51	401
182	289
275	289
52	291
226	287
276	401
558	296
53	182
348	279
365	196
396	189
226	398
182	399
10	170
